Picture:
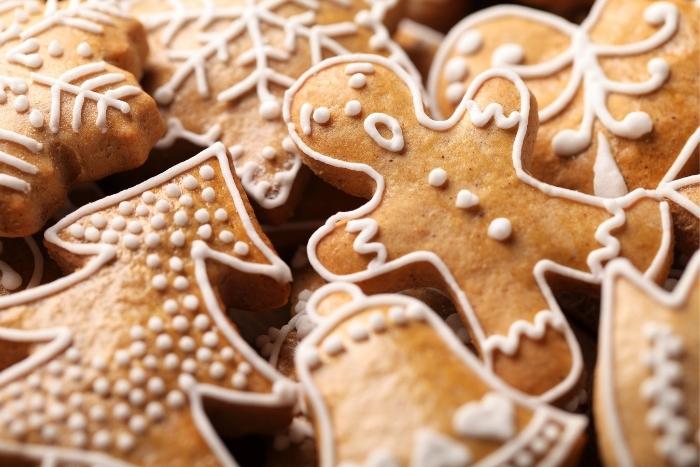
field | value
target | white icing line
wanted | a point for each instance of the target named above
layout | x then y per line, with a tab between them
622	268
595	260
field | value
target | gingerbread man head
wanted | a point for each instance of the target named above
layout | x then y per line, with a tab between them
451	206
112	361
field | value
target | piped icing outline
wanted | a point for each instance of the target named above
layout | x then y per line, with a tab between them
573	424
583	56
609	245
622	269
283	392
248	18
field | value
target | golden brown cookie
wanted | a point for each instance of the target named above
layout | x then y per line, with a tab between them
451	207
389	384
112	363
647	387
21	264
71	109
440	15
617	94
685	209
561	7
420	42
219	69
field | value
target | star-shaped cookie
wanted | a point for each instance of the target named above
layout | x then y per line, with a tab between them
112	363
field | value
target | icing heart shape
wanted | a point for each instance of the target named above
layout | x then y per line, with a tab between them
433	449
490	418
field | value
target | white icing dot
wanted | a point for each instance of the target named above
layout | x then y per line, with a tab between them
175	399
84	50
456	69
155	386
269	153
131	241
208	194
288	145
241	248
76	231
508	54
36	118
102	439
190	182
159	282
142	210
122	387
180	323
210	339
357	81
186	200
217	370
353	108
110	236
206	172
152	240
470	42
164	342
126	208
181	283
204	355
398	315
98	220
227	354
321	115
202	216
187	344
137	349
162	206
125	442
500	229
333	345
220	215
177	238
137	397
137	332
191	302
415	312
226	236
358	332
21	103
189	365
204	231
377	321
437	177
148	197
186	382
466	199
101	386
236	151
55	49
170	306
138	424
171	361
118	223
155	411
239	381
172	190
175	264
92	234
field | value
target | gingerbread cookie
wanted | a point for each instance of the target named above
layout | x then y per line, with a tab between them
451	207
218	71
685	209
111	363
609	91
647	387
420	42
388	384
71	109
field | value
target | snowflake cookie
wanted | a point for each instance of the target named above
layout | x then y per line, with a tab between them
219	69
647	387
450	206
71	109
111	363
388	383
618	94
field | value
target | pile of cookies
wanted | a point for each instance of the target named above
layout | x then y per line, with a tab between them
349	232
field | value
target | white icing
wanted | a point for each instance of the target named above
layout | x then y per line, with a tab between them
456	69
582	57
84	50
492	418
55	49
500	229
466	199
353	108
366	230
675	446
610	246
393	144
431	449
437	177
357	81
608	182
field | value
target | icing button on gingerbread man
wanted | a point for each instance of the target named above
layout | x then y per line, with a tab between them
111	363
647	384
450	206
71	109
611	91
388	383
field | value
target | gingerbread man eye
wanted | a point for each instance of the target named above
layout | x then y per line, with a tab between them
393	144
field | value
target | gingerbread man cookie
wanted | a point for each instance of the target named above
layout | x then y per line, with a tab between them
109	364
451	207
612	92
219	69
647	386
71	109
389	384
